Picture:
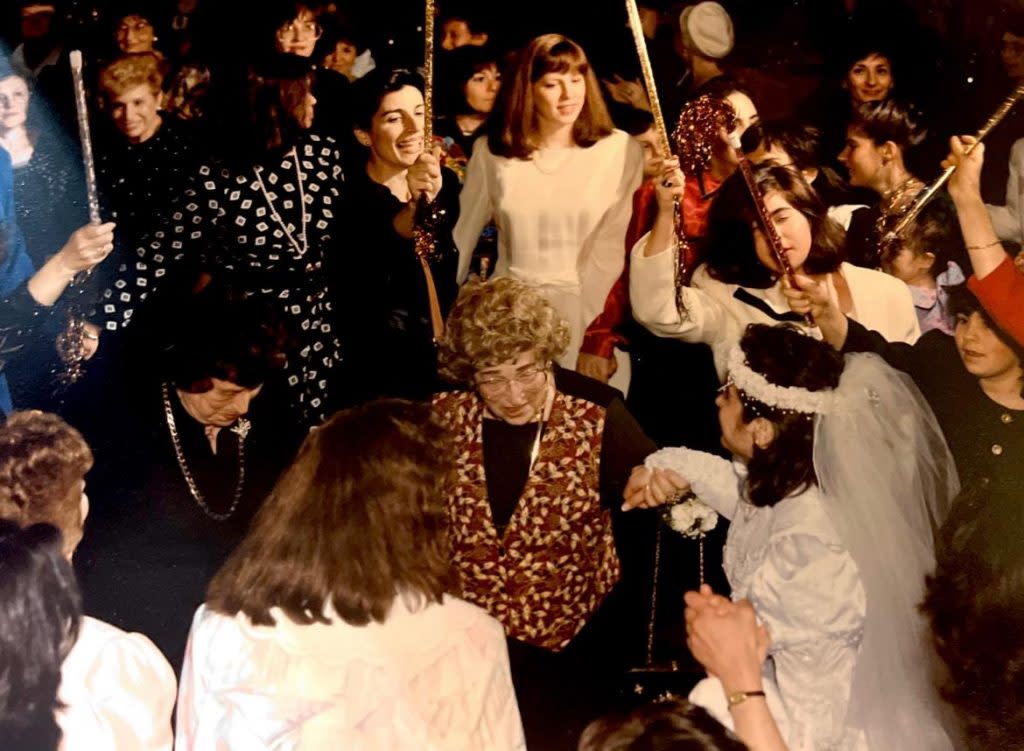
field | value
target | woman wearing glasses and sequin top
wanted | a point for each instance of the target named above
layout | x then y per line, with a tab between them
540	453
558	180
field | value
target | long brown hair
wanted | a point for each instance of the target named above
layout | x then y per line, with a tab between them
357	520
516	118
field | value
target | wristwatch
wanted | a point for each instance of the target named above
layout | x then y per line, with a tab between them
738	697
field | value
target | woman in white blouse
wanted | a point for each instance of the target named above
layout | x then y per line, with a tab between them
116	688
557	179
329	627
740	283
840	474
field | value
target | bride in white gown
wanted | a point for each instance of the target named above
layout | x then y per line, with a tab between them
840	477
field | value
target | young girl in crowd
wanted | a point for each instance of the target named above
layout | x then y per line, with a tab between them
921	262
557	179
840	476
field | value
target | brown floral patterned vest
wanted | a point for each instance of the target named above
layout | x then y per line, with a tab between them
557	560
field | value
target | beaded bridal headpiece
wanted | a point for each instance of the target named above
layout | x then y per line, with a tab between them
784	398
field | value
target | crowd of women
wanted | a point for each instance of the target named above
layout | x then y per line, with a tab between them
387	440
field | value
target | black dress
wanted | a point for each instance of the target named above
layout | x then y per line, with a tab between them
244	225
381	291
149	549
986	439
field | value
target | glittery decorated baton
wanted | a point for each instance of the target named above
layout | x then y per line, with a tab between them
88	161
71	342
924	198
635	26
424	234
764	218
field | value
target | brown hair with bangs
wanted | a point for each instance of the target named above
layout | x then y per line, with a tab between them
357	520
516	134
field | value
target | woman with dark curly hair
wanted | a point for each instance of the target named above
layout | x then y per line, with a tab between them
541	457
840	477
741	283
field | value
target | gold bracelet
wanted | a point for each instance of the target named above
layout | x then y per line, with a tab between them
986	245
738	697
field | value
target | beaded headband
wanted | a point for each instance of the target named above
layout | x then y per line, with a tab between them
784	398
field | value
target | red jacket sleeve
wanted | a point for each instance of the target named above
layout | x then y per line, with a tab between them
605	331
1002	295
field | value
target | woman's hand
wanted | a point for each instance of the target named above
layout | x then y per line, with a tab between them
726	639
811	297
669	185
596	367
965	184
648	488
627	92
86	247
424	176
90	340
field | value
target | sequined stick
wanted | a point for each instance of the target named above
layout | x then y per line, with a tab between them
922	200
426	213
633	13
764	218
71	342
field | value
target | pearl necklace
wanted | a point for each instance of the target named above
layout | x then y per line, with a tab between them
241	429
541	155
300	249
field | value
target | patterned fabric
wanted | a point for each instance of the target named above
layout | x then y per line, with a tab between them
226	217
557	560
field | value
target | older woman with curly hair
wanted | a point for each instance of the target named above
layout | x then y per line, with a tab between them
542	455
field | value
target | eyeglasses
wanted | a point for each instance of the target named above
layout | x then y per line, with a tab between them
140	25
300	28
494	385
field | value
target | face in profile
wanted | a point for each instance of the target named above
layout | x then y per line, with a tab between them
870	79
745	116
737	434
136	112
1011	53
456	33
982	352
396	130
862	159
648	141
135	34
222	405
482	89
794	231
558	98
14	98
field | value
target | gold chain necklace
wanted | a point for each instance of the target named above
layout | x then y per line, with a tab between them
241	429
302	248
